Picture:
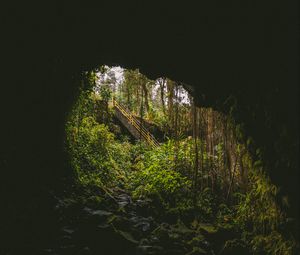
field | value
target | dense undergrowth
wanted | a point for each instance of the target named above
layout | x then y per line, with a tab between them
251	217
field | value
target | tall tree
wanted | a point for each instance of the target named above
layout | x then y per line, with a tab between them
146	93
162	85
196	150
170	94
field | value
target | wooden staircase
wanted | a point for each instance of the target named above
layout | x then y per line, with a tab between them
134	126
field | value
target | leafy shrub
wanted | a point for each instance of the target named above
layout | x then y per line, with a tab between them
259	215
258	206
90	146
156	174
95	155
206	204
274	244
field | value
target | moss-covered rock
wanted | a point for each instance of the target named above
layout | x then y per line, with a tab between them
197	251
235	246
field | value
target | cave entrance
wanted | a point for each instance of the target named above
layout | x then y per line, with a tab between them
128	108
151	164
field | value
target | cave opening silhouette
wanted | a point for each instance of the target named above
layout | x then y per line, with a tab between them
230	55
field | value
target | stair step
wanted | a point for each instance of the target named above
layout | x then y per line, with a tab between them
134	126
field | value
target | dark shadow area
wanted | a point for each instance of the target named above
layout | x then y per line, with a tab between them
239	54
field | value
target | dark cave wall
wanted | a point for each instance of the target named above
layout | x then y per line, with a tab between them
244	50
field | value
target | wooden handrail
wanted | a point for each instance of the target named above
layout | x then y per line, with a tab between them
146	135
137	124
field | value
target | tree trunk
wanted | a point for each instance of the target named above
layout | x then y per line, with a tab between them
176	126
146	94
195	134
162	93
170	88
232	178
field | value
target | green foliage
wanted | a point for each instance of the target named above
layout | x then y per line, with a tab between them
96	157
258	214
244	200
156	174
166	174
105	93
273	244
91	150
258	206
206	205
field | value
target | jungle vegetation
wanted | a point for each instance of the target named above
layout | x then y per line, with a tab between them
204	189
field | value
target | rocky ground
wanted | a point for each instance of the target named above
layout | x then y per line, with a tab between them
118	225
